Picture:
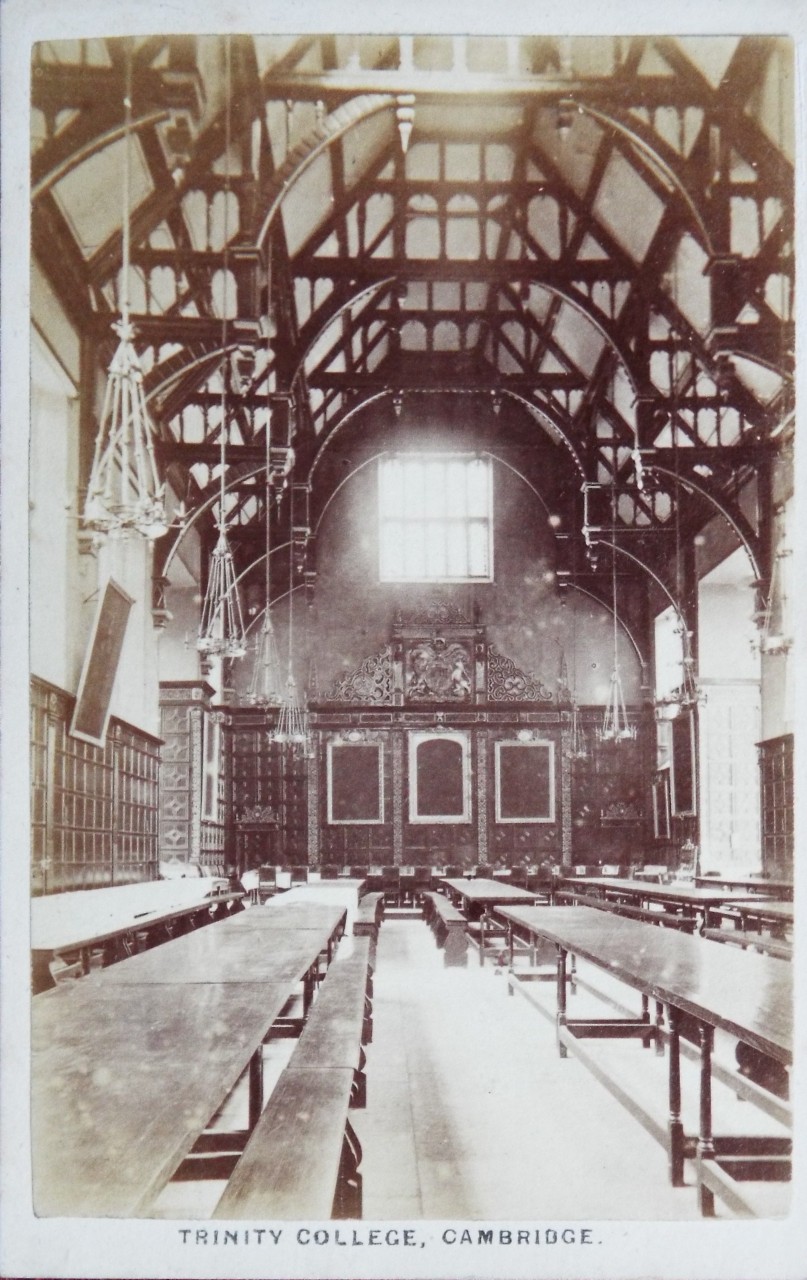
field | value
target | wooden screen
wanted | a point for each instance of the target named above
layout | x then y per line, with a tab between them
355	790
525	782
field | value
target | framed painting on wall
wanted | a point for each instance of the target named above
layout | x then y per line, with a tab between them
683	801
355	782
525	781
439	777
94	697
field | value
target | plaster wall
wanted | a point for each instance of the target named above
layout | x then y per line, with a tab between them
528	620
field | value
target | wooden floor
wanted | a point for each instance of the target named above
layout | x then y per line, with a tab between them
471	1114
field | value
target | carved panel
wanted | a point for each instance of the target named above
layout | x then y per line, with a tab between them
508	683
435	613
371	683
482	795
397	798
313	809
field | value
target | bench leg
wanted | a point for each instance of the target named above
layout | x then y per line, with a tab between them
358	1097
255	1088
455	948
347	1202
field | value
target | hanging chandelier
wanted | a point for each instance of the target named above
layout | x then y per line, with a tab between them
124	491
773	618
576	743
264	686
615	725
293	727
221	630
689	693
292	722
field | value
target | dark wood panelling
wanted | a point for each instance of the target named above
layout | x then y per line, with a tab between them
267	799
776	778
94	809
611	789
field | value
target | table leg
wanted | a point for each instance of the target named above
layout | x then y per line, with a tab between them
706	1146
659	1028
561	1014
675	1127
482	919
646	1019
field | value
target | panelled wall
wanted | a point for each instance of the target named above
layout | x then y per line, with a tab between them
440	749
776	770
192	773
288	810
94	809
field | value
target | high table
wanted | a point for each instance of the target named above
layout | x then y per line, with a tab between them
696	899
746	994
129	1064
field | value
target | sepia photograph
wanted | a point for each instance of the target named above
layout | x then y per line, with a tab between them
400	560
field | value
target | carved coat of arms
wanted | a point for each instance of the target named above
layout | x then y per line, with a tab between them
438	671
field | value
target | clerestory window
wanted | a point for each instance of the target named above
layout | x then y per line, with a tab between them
435	514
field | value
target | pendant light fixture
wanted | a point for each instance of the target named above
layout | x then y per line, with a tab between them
124	492
264	687
292	723
615	725
688	694
221	631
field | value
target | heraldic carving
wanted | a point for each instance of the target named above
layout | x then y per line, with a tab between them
506	683
372	682
438	670
257	813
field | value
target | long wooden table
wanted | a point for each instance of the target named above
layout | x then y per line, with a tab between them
743	993
71	926
780	889
129	1065
478	896
777	916
696	899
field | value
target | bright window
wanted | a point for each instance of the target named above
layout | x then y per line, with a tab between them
435	518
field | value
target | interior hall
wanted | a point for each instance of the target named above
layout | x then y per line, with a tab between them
411	537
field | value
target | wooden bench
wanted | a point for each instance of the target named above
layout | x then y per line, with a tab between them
368	920
302	1158
667	919
449	927
759	941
